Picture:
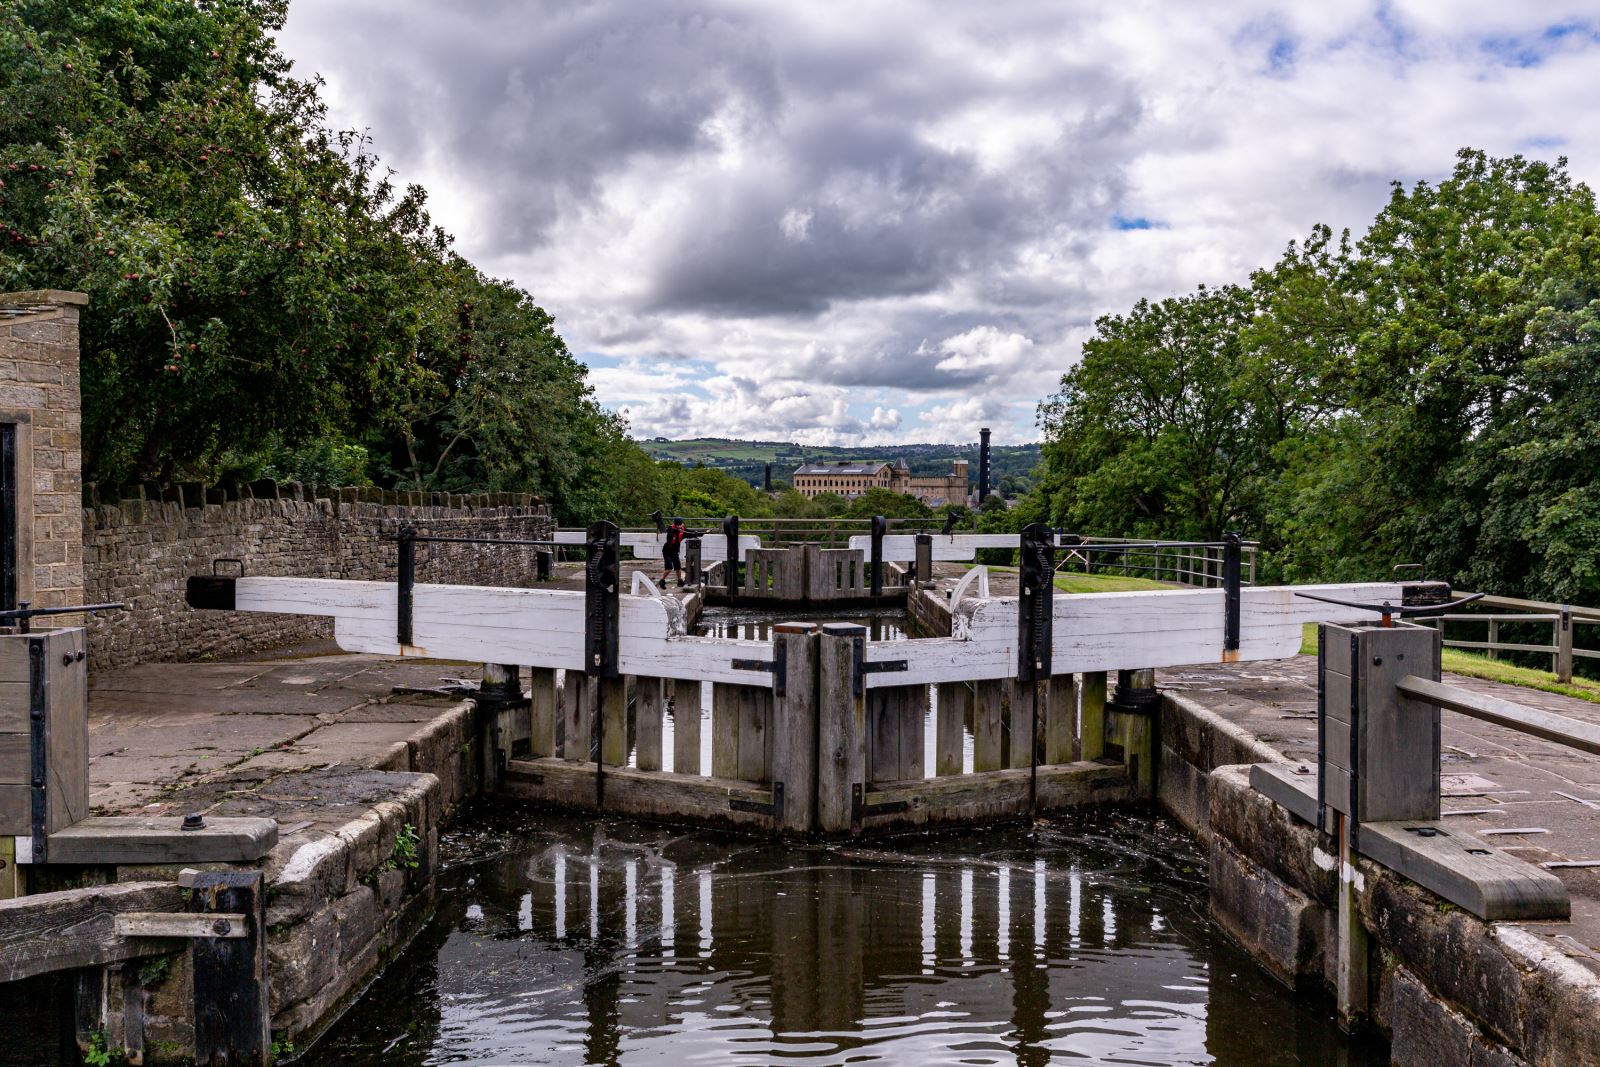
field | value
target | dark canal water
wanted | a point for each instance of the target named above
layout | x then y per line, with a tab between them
567	941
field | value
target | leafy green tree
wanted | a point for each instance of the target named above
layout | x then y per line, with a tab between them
1427	393
1150	435
262	297
889	504
253	278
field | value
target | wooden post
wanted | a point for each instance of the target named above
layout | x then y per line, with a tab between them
649	703
755	734
1494	638
883	735
794	726
1061	720
1020	743
724	731
686	726
841	747
1350	979
231	1016
913	730
499	698
1563	645
614	708
1092	718
577	707
542	712
987	705
954	705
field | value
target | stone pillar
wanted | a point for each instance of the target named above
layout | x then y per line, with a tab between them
39	399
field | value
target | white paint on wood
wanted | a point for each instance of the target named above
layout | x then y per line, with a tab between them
977	575
544	628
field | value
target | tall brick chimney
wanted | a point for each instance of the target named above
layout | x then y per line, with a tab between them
983	465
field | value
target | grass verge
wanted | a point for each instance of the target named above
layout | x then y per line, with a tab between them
1475	666
1071	582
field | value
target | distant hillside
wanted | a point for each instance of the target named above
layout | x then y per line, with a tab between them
748	459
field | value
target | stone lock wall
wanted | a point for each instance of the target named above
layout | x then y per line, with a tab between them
39	396
140	551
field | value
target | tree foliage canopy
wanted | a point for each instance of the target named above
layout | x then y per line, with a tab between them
260	290
1428	393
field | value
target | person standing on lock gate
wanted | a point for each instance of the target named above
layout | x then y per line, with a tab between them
670	552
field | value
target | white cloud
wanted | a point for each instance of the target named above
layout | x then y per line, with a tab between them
910	209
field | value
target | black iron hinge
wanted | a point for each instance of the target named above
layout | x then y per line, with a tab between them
864	667
774	808
778	666
861	810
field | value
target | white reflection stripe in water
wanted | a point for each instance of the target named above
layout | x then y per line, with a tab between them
669	914
705	730
1074	906
705	913
525	912
1038	906
928	956
966	916
630	927
1108	915
561	895
1003	890
594	900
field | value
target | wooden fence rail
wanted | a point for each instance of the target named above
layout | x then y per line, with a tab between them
1563	622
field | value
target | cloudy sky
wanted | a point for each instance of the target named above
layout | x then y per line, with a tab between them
877	222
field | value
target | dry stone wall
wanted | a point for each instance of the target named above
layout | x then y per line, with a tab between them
140	551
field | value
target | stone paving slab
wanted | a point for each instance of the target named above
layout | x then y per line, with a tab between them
156	729
1493	778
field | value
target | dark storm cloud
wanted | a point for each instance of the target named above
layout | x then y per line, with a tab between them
844	196
535	104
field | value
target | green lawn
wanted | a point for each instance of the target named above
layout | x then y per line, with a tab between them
1100	583
1477	666
1107	583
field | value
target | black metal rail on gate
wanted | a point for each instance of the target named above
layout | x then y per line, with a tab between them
602	575
1036	587
1232	546
23	615
601	607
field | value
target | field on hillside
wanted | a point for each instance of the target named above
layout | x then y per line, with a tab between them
748	459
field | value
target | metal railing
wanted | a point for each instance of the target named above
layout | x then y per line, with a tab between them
1198	563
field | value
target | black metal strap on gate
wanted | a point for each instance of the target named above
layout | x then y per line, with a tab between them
773	808
407	540
22	614
1036	587
601	609
862	666
777	666
1035	607
1232	551
1356	673
38	703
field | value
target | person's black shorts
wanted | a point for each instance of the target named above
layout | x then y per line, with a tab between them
669	553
